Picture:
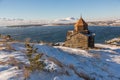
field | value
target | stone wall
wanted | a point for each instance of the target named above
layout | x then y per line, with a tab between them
77	41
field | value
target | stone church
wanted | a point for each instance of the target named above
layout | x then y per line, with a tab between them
80	37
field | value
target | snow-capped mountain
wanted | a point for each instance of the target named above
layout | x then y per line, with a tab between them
65	20
118	20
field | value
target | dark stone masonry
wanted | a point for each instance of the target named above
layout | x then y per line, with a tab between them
80	37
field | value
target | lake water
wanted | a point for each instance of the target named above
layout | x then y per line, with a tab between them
57	33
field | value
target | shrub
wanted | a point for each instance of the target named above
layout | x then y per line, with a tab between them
35	63
34	58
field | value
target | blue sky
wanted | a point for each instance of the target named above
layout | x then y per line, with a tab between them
53	9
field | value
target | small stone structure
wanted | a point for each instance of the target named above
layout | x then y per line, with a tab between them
80	37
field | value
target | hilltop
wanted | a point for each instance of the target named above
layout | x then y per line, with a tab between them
62	63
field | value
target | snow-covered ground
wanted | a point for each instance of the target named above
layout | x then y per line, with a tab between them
62	63
114	41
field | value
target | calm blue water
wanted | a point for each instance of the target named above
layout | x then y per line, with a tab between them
57	33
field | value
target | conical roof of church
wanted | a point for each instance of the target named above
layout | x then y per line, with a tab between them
81	23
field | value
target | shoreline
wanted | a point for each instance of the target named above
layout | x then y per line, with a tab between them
38	25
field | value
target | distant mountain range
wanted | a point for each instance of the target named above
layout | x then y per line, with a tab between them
72	20
22	22
63	21
105	23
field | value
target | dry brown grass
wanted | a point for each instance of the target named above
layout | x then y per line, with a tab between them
80	74
55	61
26	73
14	62
2	63
5	45
71	66
2	48
84	76
96	55
9	47
11	61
